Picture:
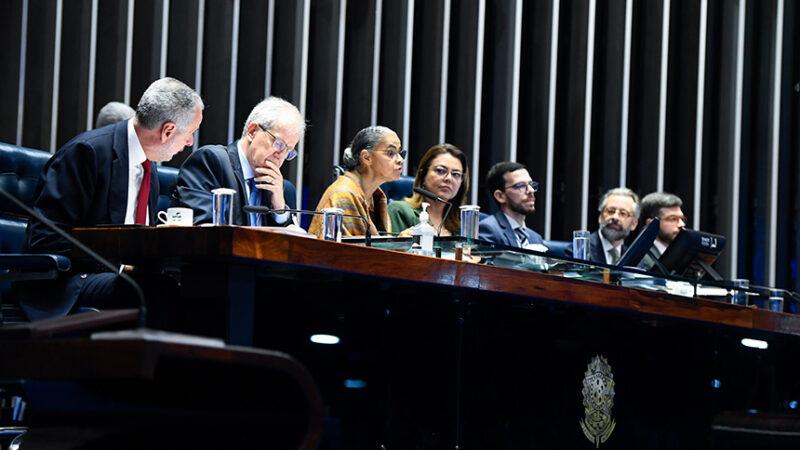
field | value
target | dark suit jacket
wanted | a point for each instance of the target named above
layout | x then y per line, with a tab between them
596	253
498	230
84	184
211	167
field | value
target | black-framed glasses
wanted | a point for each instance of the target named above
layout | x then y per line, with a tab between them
442	172
623	213
280	145
391	153
522	186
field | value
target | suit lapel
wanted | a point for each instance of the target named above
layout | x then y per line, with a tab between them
508	232
118	197
241	192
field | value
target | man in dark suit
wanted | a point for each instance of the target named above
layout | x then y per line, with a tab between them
619	215
250	166
512	188
105	176
667	208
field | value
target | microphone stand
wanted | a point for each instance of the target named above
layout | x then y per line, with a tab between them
87	250
432	196
265	210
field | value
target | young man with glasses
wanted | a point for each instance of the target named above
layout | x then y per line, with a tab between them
250	166
667	208
619	215
513	190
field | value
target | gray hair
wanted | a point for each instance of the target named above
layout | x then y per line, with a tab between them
113	112
168	100
268	112
366	139
620	191
653	202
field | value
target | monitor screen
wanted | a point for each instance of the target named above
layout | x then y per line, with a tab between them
640	245
683	257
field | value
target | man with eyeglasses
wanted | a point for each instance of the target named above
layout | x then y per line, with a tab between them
514	191
619	215
250	166
667	208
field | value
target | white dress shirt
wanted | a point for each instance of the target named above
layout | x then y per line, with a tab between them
136	157
247	173
607	245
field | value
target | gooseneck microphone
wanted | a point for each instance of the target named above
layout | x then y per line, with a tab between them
432	196
265	210
87	250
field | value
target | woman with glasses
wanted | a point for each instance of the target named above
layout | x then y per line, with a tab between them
442	171
374	157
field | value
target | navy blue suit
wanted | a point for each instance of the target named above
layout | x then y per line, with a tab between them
596	252
84	184
498	230
211	167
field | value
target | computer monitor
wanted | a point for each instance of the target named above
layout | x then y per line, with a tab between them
691	254
640	245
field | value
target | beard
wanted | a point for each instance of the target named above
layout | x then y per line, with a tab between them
612	234
521	208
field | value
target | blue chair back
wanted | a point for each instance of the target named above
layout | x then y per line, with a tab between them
167	178
400	189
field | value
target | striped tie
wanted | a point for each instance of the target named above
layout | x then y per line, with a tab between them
522	236
614	254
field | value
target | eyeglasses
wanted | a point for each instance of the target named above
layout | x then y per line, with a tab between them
623	213
522	186
280	145
391	153
675	219
442	172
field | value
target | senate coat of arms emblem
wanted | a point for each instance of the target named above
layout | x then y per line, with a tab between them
598	398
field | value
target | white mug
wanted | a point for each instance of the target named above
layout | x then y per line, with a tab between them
176	216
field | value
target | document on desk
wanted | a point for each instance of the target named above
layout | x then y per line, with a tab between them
291	229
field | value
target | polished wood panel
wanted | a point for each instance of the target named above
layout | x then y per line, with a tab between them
132	245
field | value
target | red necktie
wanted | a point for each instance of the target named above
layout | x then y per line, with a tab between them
144	195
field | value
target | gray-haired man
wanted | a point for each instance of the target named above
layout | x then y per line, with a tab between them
105	176
618	216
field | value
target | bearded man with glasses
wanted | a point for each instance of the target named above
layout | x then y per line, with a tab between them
667	208
619	215
250	166
513	190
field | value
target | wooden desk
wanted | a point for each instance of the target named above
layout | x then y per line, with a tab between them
453	354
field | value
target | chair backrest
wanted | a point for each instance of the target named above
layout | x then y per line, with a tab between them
167	178
557	248
400	189
20	169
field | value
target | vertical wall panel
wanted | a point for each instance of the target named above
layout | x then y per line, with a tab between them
359	42
146	46
216	71
395	57
534	96
39	76
73	83
11	22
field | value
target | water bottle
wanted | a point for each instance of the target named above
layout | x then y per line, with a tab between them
422	236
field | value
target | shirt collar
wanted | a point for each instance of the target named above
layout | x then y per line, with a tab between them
247	171
607	245
136	154
660	246
514	224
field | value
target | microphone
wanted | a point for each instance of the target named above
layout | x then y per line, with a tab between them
432	196
87	250
265	210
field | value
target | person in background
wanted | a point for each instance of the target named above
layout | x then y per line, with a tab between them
250	166
443	171
514	191
374	157
100	177
113	112
666	208
619	215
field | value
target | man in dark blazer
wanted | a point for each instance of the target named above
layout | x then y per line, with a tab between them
514	192
96	179
250	166
618	216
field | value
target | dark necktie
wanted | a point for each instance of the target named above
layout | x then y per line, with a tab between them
255	200
144	194
522	235
614	254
